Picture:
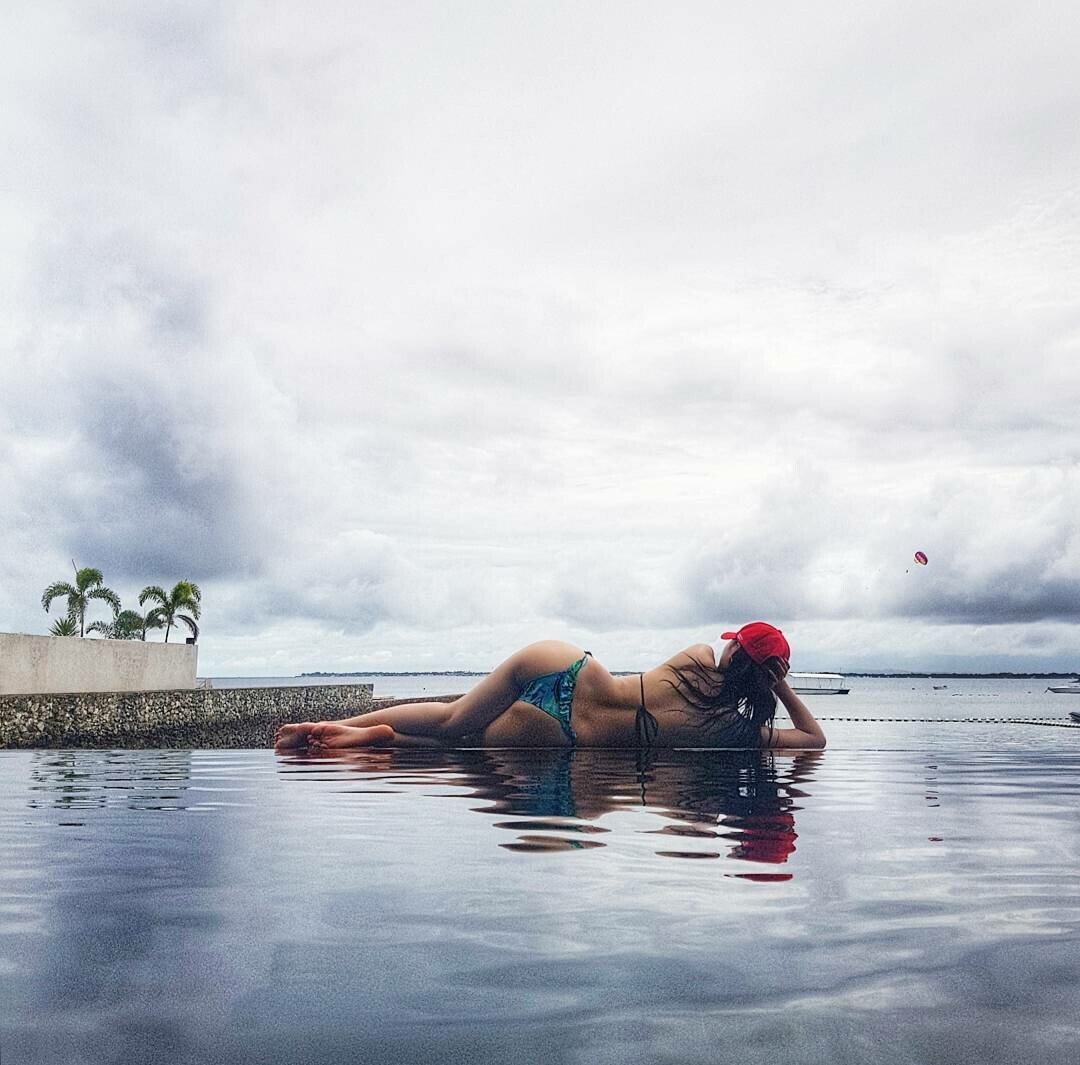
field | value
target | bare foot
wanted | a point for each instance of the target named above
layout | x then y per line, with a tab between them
289	737
328	736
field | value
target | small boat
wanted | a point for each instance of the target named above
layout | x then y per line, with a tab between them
818	683
1065	689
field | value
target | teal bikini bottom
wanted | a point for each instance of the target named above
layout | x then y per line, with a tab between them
554	693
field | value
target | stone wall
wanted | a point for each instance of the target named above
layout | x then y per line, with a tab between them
382	702
222	717
31	664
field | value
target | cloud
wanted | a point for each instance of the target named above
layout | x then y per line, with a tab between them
414	335
155	424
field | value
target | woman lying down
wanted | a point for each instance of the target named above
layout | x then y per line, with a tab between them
552	694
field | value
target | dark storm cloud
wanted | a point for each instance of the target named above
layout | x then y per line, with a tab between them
149	511
1015	599
145	484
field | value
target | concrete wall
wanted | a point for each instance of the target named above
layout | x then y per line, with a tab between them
35	664
221	717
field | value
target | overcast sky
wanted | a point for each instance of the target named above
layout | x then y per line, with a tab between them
417	332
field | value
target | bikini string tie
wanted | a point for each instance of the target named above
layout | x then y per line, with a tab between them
645	725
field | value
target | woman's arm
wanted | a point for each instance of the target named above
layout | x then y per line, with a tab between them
806	733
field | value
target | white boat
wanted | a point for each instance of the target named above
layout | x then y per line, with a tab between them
1065	689
818	683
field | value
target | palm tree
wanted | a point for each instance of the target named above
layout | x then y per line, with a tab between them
152	619
184	595
89	584
63	627
127	625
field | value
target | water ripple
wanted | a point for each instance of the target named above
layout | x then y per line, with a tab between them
873	905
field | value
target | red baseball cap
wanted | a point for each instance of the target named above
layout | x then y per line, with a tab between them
760	641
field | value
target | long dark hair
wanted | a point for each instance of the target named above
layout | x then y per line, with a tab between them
731	706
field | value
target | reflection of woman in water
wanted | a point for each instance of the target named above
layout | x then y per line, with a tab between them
552	694
744	800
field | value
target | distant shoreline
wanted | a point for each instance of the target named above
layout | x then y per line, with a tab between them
627	673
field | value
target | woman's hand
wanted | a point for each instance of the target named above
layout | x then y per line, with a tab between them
778	669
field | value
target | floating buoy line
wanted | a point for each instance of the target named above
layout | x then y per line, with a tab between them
1047	721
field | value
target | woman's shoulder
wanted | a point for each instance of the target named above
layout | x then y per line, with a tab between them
693	664
703	654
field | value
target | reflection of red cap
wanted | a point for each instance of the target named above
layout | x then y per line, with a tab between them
768	838
760	641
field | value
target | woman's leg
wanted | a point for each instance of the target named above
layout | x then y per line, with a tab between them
332	735
294	735
499	690
448	722
419	719
523	725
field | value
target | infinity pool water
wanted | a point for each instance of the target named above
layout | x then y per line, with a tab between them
908	895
